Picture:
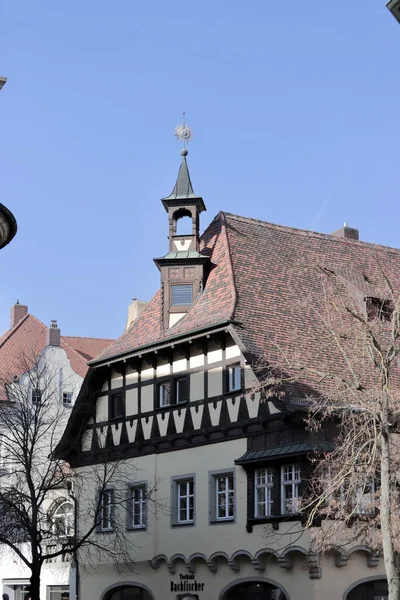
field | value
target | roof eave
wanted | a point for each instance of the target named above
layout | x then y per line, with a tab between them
158	344
184	201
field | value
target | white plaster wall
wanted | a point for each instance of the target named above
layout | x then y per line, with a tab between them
60	378
147	398
196	386
215	382
101	409
131	402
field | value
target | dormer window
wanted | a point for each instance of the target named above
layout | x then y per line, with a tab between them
181	295
378	309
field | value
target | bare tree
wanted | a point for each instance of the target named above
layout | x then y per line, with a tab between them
33	481
350	384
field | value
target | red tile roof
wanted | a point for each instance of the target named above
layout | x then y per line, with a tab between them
263	277
28	338
215	304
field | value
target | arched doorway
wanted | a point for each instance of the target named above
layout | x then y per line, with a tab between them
128	592
254	590
376	589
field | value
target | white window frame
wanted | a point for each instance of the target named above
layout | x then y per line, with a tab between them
234	375
228	495
162	401
67	518
107	510
263	482
139	505
290	478
184	500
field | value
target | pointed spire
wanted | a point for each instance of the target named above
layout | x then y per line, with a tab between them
183	187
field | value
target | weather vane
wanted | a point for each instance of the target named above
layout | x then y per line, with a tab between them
183	132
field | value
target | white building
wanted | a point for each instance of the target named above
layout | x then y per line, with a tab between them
29	341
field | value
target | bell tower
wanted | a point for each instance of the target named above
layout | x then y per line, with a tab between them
183	267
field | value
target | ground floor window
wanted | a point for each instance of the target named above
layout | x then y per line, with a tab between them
251	590
369	590
128	592
58	592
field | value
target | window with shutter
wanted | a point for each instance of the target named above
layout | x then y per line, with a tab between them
181	295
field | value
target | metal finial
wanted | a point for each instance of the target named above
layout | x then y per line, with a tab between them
183	133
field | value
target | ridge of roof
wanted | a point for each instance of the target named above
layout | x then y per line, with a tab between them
80	337
310	233
229	262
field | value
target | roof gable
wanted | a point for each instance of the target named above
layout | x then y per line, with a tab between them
27	339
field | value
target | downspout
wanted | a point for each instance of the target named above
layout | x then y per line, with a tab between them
75	553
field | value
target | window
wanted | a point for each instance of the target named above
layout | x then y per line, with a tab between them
164	393
365	503
36	396
50	549
58	592
116	405
263	484
290	482
181	389
67	398
106	510
173	391
63	519
137	507
223	497
378	309
181	295
234	378
184	501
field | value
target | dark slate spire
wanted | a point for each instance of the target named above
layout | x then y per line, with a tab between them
183	187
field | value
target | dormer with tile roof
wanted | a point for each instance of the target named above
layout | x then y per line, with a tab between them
183	268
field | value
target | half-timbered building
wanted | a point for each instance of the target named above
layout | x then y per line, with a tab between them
178	396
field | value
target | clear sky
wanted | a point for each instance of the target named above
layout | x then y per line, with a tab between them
294	107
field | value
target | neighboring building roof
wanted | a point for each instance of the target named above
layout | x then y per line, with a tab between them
261	280
27	339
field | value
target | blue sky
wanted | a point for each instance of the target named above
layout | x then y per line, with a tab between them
294	107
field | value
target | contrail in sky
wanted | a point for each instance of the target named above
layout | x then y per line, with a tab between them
330	194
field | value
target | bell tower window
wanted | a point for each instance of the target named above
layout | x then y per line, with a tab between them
181	295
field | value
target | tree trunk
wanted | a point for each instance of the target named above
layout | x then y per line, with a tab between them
389	553
35	586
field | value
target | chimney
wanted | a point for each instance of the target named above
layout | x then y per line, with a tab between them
134	310
53	335
18	311
347	232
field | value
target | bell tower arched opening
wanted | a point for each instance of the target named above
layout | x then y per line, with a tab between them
182	223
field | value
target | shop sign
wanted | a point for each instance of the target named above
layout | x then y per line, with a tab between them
187	583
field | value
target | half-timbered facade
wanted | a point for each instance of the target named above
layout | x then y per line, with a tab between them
178	396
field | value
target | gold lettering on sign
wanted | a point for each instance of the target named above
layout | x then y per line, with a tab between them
173	273
188	272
